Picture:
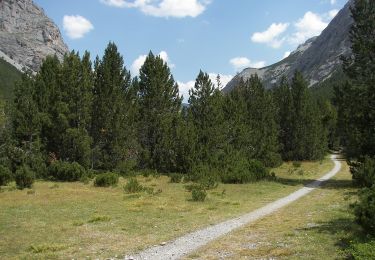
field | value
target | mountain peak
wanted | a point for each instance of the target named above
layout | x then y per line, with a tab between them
27	35
318	58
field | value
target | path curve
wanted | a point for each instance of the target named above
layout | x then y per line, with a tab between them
188	243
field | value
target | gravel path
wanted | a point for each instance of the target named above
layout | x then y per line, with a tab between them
186	244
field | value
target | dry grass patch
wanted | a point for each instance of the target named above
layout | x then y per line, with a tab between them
105	222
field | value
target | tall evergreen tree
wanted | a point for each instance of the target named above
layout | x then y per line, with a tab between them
356	98
284	103
206	108
159	109
110	125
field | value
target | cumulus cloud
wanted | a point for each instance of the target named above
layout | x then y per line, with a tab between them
309	25
76	26
239	63
271	35
163	8
286	54
332	13
184	87
138	62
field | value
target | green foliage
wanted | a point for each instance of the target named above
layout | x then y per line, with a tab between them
198	193
112	111
176	177
126	168
66	171
9	75
362	250
297	164
159	112
133	186
364	210
364	172
106	179
24	177
5	175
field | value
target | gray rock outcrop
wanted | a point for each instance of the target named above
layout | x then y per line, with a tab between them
27	35
318	58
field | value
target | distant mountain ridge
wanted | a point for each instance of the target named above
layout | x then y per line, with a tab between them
27	35
318	58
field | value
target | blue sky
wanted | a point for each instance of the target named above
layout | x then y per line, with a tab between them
217	36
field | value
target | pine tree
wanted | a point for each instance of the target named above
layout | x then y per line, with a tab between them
110	125
159	109
356	98
206	108
284	103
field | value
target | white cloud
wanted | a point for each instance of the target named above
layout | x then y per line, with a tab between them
333	2
76	26
138	62
271	35
332	13
184	87
286	54
163	8
239	63
309	25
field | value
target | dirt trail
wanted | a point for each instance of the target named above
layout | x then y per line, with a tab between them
188	243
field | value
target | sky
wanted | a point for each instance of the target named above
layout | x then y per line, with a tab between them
215	36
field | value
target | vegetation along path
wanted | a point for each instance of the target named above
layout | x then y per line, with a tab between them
186	244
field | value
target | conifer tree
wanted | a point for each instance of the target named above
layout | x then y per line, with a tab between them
159	109
110	125
206	108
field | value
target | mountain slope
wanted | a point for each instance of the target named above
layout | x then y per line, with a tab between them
27	35
318	58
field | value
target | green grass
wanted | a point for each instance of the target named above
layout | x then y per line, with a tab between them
74	220
318	226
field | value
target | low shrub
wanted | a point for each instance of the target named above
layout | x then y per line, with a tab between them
176	177
364	210
24	177
5	175
198	194
362	250
66	171
106	179
133	186
126	168
243	171
297	164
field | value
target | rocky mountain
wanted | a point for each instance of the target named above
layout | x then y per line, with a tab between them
318	58
27	35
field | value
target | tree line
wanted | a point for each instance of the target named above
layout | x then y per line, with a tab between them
96	116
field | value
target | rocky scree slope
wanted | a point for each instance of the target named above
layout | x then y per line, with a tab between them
318	58
27	35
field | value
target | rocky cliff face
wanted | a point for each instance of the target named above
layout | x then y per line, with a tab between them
27	35
318	58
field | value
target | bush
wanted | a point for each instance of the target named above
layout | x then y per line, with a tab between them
364	173
5	175
24	177
198	194
363	250
65	171
242	170
106	179
297	164
133	186
176	177
364	210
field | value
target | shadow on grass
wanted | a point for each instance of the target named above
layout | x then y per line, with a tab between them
311	183
347	233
